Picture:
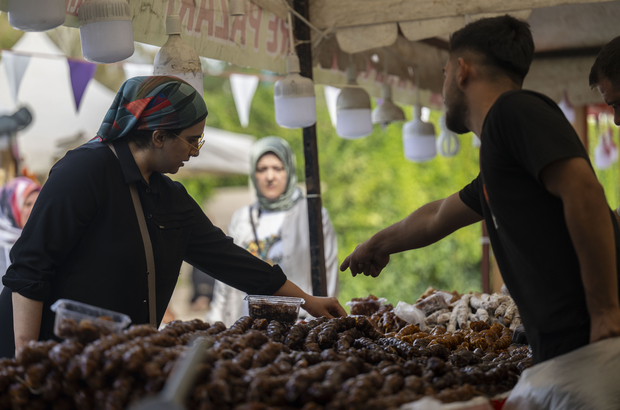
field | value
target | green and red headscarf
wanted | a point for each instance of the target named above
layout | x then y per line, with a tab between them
152	103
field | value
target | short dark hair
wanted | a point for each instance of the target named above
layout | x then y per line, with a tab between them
505	43
607	64
144	138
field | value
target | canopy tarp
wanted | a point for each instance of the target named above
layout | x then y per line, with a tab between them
387	38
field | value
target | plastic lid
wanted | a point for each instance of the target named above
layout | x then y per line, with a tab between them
379	301
283	300
93	11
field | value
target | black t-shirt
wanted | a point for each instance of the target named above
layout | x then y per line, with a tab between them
82	242
523	132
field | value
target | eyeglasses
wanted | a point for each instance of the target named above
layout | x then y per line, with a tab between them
201	142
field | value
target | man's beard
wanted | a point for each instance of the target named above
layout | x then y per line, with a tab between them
456	111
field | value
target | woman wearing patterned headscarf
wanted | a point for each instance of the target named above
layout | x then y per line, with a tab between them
17	198
275	228
87	245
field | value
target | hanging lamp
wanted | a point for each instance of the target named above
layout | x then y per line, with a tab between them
419	138
236	7
353	116
475	141
447	143
294	98
105	30
387	111
177	58
36	15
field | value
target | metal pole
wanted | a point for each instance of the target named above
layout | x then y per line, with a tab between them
485	263
311	157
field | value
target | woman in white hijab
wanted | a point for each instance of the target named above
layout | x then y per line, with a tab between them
275	228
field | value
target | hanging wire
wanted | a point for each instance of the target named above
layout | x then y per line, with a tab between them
290	35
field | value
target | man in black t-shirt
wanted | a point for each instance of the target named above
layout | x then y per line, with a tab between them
552	232
605	75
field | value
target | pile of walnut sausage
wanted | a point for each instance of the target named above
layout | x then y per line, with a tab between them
344	363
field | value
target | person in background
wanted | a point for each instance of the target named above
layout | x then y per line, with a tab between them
549	223
17	198
83	241
605	75
202	290
275	228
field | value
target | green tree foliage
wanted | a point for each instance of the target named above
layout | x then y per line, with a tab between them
367	185
610	177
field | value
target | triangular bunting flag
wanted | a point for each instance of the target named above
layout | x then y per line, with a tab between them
243	88
15	66
331	97
81	73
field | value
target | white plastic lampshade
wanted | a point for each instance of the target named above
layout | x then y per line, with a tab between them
177	58
294	98
387	112
353	109
36	15
419	138
447	143
354	123
105	30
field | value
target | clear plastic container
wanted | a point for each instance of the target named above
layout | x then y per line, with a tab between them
85	323
281	308
365	306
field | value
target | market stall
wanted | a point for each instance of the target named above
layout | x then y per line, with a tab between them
456	348
447	346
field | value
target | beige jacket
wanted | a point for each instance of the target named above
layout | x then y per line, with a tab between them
228	305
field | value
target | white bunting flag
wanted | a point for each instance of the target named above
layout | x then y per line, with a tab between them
331	97
15	66
243	88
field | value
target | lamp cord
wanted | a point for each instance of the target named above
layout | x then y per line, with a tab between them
290	34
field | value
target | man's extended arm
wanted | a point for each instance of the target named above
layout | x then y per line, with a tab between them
421	228
590	228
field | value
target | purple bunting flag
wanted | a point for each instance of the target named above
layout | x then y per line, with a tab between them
81	73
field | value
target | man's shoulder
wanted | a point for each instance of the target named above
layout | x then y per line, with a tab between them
522	99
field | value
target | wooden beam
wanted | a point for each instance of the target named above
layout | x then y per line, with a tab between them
347	13
311	158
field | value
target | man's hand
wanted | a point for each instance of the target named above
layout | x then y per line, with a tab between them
364	259
323	306
605	325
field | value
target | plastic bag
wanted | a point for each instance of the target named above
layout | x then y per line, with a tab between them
366	306
584	379
429	403
432	303
410	314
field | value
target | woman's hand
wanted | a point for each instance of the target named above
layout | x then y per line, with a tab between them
314	305
323	306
